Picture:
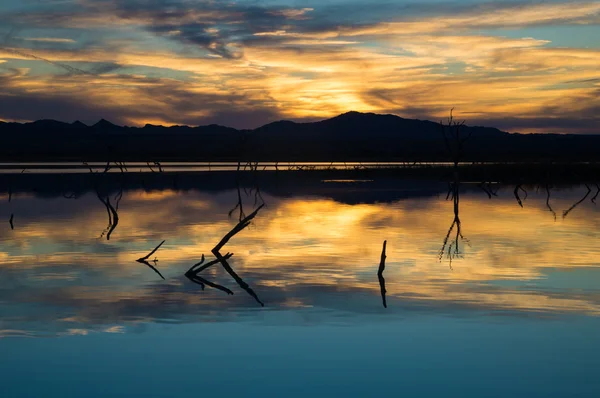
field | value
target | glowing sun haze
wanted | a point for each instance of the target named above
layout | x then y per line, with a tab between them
517	65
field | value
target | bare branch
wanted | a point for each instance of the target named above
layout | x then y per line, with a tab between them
380	275
147	256
597	193
566	212
548	202
194	270
201	281
236	277
240	226
145	262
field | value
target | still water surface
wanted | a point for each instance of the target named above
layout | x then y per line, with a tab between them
509	306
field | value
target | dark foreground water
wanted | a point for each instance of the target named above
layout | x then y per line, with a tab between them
485	298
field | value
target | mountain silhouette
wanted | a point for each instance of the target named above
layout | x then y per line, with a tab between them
105	125
352	136
78	124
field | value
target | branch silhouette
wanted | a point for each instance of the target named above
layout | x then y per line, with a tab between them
574	206
597	193
113	217
516	193
147	256
193	274
454	138
380	275
240	226
548	202
196	269
144	260
452	248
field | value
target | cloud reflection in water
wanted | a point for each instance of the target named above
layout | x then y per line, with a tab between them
301	254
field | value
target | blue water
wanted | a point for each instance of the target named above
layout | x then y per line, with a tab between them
410	356
512	310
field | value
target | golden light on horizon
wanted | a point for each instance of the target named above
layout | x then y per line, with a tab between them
495	64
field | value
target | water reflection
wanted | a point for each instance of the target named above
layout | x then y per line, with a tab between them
310	250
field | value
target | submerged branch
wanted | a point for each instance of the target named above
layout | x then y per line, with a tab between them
548	202
566	212
144	260
380	275
202	282
596	195
240	226
195	271
193	274
516	192
147	256
236	277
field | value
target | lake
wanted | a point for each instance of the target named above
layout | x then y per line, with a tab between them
487	290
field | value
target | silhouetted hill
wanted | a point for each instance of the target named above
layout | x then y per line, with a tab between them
352	136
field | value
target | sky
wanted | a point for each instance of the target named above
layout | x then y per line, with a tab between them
522	66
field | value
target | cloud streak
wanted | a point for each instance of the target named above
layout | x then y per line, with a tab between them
313	62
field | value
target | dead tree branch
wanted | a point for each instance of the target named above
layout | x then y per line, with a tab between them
516	193
452	249
566	212
454	138
597	193
236	277
194	271
240	226
113	217
380	275
193	274
147	256
548	202
144	260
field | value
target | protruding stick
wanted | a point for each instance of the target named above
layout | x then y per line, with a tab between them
144	260
152	252
380	274
240	226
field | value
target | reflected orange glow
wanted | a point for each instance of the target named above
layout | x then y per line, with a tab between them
299	246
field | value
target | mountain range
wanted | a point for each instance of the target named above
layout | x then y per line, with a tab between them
352	136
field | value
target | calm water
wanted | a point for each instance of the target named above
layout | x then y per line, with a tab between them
508	306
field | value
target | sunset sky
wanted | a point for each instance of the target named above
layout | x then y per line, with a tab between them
526	66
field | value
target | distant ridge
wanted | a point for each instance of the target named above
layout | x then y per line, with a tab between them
352	136
105	125
78	124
